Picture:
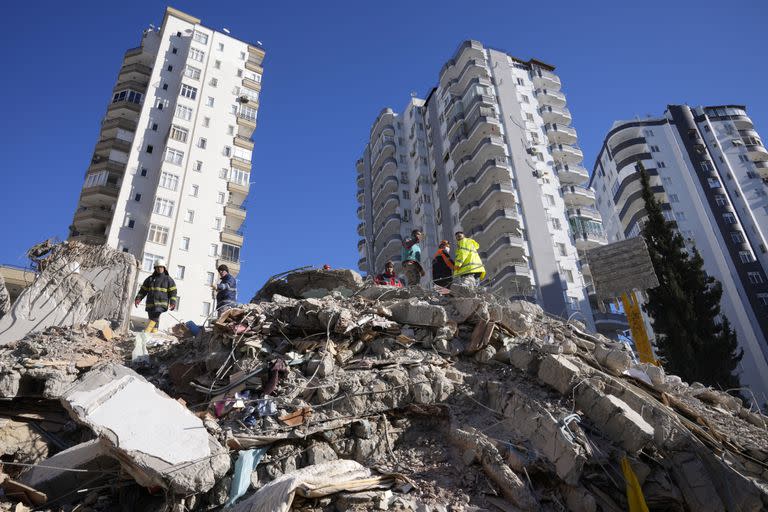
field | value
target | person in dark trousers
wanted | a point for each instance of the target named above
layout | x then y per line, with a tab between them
226	290
388	277
442	265
411	258
160	291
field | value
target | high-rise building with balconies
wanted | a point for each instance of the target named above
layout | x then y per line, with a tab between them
708	168
171	169
504	167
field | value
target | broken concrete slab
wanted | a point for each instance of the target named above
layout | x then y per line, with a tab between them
418	312
5	298
158	441
319	283
559	373
78	283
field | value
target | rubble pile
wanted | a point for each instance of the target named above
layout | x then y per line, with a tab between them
326	393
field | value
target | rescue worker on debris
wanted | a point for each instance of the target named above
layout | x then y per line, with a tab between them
468	267
226	290
442	265
388	277
160	291
411	258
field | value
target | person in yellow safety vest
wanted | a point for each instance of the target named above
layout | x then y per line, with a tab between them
468	267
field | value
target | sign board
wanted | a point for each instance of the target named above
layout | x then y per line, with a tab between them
621	267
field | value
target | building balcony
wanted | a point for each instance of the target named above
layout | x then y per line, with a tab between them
383	121
360	212
388	168
472	69
233	266
244	143
492	171
104	146
362	264
136	84
762	169
99	163
388	249
583	265
101	194
360	244
546	79
235	215
608	324
254	65
509	247
560	134
93	215
135	69
566	153
513	280
240	163
388	206
550	97
575	196
387	150
453	68
585	212
389	226
389	185
360	180
743	123
494	225
123	108
245	126
232	236
360	195
486	149
571	174
238	188
361	229
494	198
756	152
109	126
586	241
559	115
483	127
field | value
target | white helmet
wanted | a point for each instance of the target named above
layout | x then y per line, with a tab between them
160	263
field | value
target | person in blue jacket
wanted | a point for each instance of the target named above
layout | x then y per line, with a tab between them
226	290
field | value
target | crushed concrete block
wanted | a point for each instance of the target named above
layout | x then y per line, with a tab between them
320	283
416	312
524	359
617	420
318	452
485	354
78	283
526	308
559	373
5	298
320	366
615	360
157	440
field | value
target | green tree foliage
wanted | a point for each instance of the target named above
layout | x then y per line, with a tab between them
693	339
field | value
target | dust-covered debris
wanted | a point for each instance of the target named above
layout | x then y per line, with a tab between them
372	400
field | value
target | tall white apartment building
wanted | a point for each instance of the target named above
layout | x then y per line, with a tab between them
709	170
171	169
505	168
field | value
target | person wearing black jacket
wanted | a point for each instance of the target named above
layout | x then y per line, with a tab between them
160	291
442	265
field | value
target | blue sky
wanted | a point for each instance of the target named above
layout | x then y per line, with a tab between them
330	68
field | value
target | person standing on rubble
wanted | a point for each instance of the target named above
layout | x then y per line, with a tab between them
160	291
226	290
442	265
411	258
468	267
388	277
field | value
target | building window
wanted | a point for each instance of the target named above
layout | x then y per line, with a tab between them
248	113
128	95
164	207
680	215
214	82
169	68
189	216
762	298
150	148
746	257
720	200
673	198
179	134
158	234
230	252
230	130
198	167
174	156
242	55
175	50
217	64
221	47
209	277
165	88
183	112
184	243
148	262
648	133
213	250
188	91
729	218
223	174
660	164
137	197
200	37
202	143
240	177
654	149
529	117
550	199
193	191
406	194
131	223
562	249
239	73
169	181
206	122
180	269
568	275
755	277
210	101
713	182
520	81
227	151
154	125
217	223
556	224
737	237
525	98
196	54
668	215
192	72
220	198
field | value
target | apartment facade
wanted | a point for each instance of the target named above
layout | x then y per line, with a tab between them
170	172
709	170
504	166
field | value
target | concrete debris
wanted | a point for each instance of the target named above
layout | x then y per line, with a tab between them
78	283
333	394
5	298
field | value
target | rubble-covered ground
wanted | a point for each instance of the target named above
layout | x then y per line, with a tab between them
327	394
